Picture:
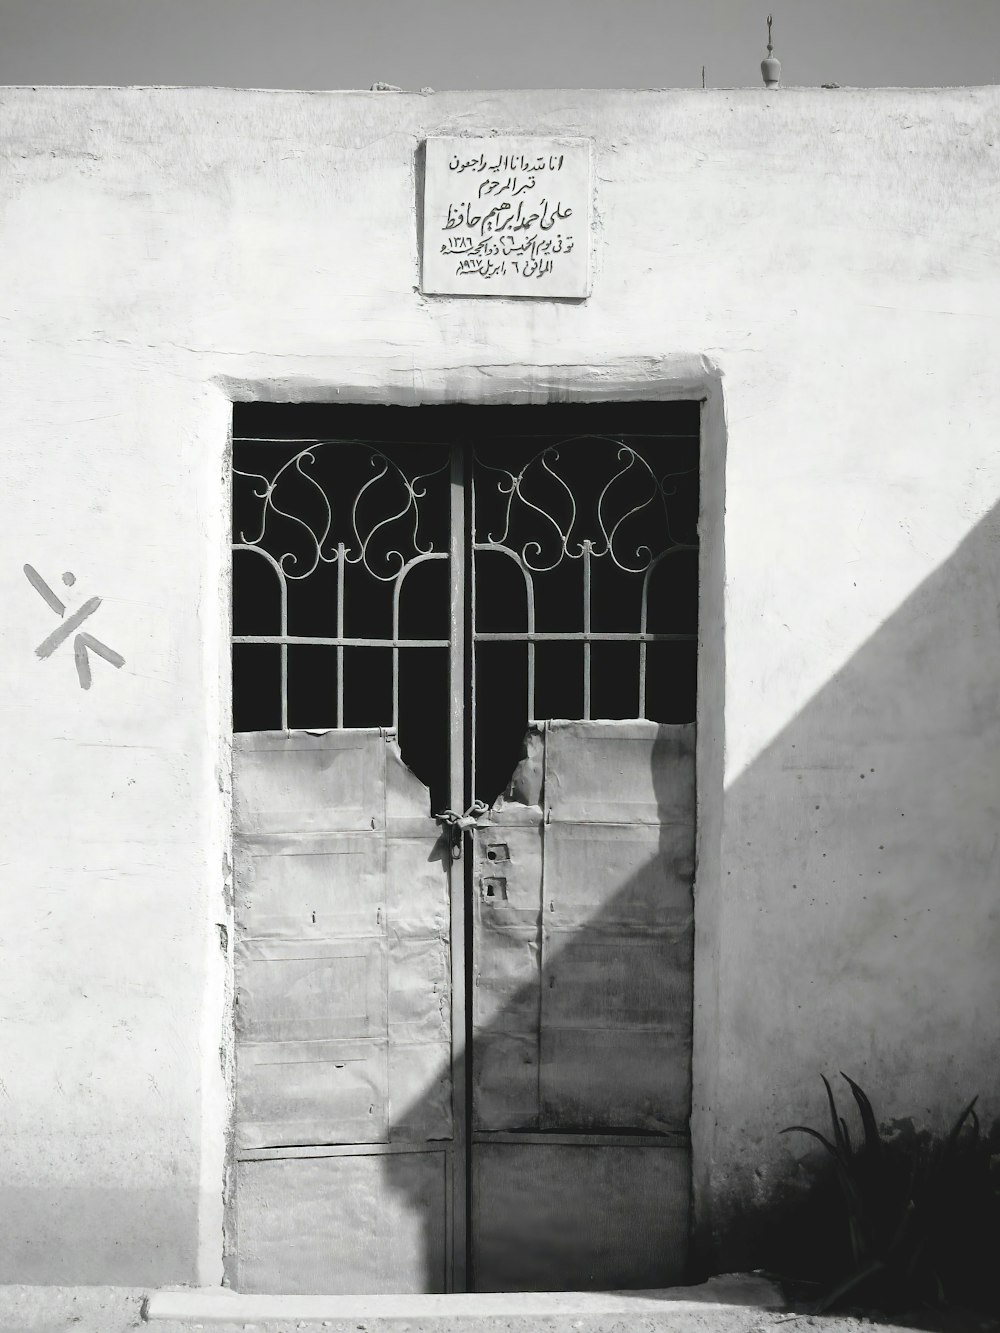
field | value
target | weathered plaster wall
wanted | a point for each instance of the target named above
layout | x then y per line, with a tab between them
832	254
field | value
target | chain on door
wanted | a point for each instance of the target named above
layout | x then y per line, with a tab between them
463	630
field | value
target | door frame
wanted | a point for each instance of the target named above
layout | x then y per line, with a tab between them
642	377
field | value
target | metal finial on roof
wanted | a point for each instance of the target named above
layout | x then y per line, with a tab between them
770	66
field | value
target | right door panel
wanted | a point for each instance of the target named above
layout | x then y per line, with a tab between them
582	975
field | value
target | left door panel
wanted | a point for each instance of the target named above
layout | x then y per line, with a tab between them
344	1115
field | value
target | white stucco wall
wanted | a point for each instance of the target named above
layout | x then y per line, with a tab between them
832	255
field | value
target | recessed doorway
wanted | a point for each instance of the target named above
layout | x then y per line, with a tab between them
464	688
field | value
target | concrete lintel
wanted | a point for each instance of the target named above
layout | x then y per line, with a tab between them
387	377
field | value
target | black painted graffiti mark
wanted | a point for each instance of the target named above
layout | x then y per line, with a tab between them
43	589
80	645
48	646
83	643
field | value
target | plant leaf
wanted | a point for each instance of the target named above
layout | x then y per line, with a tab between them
956	1129
857	1244
915	1257
873	1141
847	1133
850	1187
900	1232
806	1129
941	1296
838	1134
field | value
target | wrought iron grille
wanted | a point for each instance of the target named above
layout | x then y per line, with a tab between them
580	569
586	499
341	526
585	584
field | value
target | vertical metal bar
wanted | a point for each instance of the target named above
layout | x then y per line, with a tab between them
586	631
543	950
456	796
340	633
529	585
396	589
284	655
471	559
644	625
643	605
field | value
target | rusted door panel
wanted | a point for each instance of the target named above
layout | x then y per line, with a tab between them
604	1079
355	1223
582	933
343	1012
618	878
579	1216
617	926
605	981
419	1040
506	917
300	782
294	889
301	990
582	941
620	772
416	885
418	865
505	1093
311	1092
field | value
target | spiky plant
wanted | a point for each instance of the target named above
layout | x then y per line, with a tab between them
914	1212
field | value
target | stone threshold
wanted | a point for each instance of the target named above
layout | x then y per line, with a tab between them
221	1305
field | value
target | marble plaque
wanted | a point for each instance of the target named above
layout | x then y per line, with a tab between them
507	217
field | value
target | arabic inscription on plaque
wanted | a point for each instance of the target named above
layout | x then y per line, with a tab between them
507	217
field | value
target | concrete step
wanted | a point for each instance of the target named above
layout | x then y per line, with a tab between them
730	1304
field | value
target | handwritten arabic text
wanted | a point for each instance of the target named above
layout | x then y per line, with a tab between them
511	217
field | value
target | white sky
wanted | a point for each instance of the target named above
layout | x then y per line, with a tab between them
496	43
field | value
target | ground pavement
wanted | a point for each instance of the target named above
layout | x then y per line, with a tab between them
740	1303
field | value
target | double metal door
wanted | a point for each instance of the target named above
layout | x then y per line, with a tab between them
463	790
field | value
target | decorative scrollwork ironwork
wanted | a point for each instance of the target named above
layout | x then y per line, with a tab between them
541	519
381	530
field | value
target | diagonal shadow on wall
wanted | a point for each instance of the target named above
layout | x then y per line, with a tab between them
858	921
856	925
